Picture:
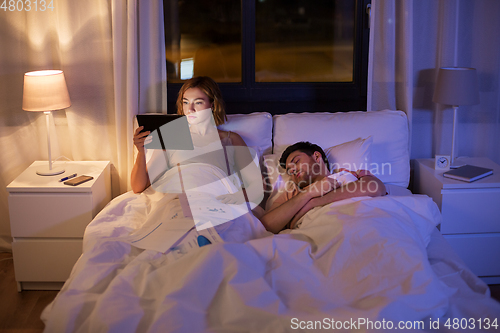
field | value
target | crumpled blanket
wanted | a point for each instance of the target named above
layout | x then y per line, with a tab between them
359	258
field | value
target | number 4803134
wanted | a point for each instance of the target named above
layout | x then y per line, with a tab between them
26	5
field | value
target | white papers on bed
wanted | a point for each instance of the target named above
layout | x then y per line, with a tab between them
165	224
209	212
167	230
202	184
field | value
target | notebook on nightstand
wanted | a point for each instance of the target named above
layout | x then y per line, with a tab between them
468	173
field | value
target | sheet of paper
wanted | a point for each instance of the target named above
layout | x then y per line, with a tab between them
160	236
178	238
167	227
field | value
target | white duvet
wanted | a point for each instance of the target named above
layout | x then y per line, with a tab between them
361	258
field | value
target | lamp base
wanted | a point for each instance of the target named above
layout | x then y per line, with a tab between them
457	163
46	171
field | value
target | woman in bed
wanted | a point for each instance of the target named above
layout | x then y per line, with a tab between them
201	101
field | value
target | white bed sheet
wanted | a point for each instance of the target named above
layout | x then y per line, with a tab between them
361	258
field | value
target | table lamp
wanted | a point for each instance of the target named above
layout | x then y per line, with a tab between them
46	91
456	86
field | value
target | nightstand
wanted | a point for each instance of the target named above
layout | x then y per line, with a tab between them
48	220
471	214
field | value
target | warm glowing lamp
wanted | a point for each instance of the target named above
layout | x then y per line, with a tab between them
456	86
46	91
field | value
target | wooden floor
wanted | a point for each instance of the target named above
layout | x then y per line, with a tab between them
20	312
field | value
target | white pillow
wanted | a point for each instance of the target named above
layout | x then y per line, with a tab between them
353	155
389	130
256	129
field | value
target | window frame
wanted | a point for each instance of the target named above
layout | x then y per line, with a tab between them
283	97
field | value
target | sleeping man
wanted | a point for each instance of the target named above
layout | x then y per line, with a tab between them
313	185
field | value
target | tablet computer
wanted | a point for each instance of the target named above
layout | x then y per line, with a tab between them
168	131
153	121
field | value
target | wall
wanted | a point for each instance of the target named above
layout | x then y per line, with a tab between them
476	44
76	37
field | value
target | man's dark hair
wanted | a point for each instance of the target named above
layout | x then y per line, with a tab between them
304	147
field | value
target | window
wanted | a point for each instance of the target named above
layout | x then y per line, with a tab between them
203	37
271	55
304	42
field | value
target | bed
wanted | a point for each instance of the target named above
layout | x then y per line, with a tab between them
362	264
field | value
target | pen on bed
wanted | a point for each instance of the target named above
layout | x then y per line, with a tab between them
68	177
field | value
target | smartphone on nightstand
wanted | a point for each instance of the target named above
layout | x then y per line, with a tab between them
78	180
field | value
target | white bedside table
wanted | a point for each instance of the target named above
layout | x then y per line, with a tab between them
48	220
471	214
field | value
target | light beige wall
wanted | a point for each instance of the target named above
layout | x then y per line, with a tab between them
74	37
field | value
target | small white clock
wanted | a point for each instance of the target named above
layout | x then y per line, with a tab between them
442	162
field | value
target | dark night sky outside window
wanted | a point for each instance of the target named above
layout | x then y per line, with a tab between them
271	55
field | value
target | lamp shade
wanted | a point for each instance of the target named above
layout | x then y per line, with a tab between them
45	91
456	86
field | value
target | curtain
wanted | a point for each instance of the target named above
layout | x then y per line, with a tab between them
112	54
409	42
390	59
139	72
467	34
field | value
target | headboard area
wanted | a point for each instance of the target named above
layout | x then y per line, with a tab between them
255	128
386	133
390	158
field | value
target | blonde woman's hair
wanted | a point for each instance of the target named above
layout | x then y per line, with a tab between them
211	89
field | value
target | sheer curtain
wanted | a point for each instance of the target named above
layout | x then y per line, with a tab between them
390	60
465	34
410	40
139	71
112	54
